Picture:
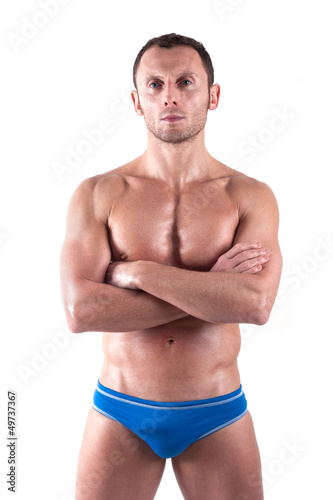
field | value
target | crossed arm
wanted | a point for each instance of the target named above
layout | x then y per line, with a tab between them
128	296
217	297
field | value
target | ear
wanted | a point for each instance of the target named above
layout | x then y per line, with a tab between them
214	96
136	102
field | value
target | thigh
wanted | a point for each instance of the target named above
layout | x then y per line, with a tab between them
222	466
113	462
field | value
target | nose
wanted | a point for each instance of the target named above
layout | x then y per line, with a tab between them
167	102
170	95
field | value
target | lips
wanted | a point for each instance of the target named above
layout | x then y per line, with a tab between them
172	118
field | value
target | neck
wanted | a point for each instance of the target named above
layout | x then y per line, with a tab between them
177	164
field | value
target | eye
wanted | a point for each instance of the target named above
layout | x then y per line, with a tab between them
154	85
186	82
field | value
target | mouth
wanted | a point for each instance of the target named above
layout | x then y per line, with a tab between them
172	118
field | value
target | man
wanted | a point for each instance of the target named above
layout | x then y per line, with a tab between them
166	255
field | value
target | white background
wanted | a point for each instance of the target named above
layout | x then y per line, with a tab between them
74	72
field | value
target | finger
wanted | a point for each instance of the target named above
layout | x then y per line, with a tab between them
250	263
241	247
250	258
247	257
215	267
254	269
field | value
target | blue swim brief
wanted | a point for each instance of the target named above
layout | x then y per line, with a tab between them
169	427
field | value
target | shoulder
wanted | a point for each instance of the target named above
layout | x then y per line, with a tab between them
250	188
98	193
246	189
100	185
110	183
256	201
247	192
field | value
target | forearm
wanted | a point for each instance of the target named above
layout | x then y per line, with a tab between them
104	308
215	297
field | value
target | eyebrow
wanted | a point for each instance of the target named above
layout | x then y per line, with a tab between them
159	77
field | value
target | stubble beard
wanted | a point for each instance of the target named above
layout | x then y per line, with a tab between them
175	136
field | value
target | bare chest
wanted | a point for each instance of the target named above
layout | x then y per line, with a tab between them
188	229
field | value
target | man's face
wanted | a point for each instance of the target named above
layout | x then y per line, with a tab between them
173	93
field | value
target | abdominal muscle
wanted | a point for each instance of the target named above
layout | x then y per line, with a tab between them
185	360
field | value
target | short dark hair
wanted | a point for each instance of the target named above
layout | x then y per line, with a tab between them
173	40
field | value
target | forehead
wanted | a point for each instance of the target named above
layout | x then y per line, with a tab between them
177	60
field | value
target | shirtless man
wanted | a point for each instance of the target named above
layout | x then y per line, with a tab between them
166	255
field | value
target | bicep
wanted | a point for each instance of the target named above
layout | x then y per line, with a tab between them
259	222
86	250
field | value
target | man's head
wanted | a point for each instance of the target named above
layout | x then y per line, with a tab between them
174	79
170	41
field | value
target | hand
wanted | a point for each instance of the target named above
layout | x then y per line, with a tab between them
122	274
246	258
